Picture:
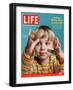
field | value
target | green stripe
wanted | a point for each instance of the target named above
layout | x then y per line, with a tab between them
25	71
25	63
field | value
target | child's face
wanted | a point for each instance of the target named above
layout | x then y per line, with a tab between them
43	48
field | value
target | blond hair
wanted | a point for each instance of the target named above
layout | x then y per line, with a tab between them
42	33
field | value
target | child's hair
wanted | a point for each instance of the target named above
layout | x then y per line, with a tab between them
43	32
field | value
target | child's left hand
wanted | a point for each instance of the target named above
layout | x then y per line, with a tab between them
57	45
57	48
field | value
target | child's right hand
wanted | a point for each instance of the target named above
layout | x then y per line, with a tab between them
31	44
57	48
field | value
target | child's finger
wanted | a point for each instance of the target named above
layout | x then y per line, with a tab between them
58	43
30	41
55	42
34	44
29	33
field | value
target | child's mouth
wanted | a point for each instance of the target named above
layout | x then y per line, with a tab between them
43	52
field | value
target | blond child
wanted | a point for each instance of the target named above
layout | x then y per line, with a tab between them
43	53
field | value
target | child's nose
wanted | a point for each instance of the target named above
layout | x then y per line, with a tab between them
42	47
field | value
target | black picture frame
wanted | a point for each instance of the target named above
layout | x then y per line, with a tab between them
12	64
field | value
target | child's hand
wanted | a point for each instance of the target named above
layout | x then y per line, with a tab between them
57	45
59	52
31	44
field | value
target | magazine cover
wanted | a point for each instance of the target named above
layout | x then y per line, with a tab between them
42	44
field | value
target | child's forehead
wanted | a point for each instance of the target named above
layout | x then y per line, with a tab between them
43	39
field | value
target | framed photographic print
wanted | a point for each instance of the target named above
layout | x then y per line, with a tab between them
40	44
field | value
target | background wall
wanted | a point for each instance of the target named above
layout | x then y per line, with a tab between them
4	44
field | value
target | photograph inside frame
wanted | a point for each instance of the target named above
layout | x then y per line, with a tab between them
42	44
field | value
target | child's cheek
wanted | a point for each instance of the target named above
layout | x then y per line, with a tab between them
50	47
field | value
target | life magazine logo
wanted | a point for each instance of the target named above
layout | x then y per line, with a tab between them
30	19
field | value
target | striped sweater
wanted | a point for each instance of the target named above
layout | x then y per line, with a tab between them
31	66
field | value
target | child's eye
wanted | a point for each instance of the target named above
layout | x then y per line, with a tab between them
38	43
47	43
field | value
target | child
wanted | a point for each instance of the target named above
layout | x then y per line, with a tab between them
43	53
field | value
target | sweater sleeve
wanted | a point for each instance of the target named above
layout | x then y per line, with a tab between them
26	66
57	67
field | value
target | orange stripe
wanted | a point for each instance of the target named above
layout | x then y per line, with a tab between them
25	67
39	75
